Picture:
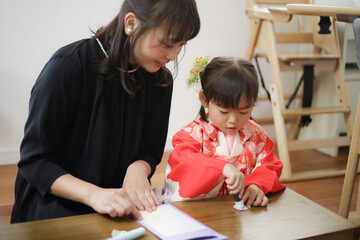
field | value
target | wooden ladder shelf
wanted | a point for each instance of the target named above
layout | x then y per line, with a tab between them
325	56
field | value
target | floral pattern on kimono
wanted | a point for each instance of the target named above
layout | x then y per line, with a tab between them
194	168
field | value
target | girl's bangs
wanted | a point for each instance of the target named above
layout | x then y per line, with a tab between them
227	97
229	91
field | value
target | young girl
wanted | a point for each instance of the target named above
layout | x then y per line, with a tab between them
99	113
224	151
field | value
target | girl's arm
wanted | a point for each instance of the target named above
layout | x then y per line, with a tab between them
114	202
264	178
254	197
267	172
235	179
195	171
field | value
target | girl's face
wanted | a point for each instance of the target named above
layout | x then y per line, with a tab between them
152	52
229	120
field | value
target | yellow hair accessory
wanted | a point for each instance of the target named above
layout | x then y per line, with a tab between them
199	65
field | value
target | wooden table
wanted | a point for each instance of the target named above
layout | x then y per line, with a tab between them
288	216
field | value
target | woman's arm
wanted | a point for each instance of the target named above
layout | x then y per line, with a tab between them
114	202
136	181
51	109
138	187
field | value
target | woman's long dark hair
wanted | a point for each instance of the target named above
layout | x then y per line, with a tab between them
225	80
179	18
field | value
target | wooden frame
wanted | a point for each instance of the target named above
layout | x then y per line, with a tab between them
350	175
326	56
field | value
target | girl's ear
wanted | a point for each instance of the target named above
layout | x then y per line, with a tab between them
130	23
203	100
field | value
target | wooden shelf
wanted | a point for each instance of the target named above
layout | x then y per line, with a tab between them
318	143
314	110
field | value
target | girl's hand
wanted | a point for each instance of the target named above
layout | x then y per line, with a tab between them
253	196
114	202
138	187
235	179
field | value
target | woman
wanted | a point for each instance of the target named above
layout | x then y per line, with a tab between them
99	113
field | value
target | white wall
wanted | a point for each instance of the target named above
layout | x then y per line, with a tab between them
31	31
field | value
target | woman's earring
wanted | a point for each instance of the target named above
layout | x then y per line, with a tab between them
129	30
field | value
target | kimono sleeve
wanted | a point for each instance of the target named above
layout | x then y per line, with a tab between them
267	172
195	172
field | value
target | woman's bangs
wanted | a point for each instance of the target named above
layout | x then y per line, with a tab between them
181	27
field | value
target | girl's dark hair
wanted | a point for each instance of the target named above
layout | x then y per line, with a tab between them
179	18
225	80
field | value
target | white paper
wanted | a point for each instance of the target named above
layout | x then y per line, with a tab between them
170	222
240	206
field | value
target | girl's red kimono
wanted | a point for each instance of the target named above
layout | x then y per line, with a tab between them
194	169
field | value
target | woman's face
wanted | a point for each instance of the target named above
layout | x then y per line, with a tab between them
152	52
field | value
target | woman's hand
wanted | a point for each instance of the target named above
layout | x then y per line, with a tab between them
114	202
138	187
235	179
254	196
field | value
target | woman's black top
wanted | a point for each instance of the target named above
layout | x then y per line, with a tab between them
85	125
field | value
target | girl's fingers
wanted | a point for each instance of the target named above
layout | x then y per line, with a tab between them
242	185
250	197
230	181
250	200
241	193
245	197
258	200
265	201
